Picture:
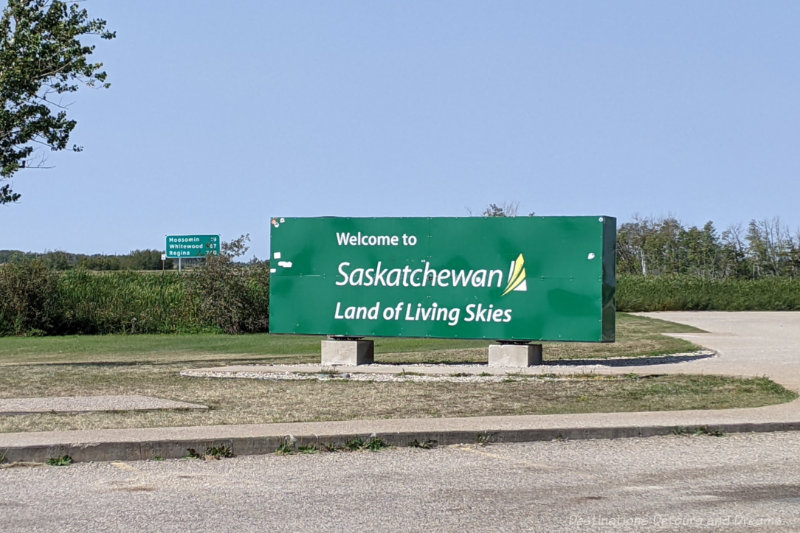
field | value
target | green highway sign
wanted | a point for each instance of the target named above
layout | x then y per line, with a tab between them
521	278
183	246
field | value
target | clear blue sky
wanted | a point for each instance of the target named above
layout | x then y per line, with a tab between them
224	114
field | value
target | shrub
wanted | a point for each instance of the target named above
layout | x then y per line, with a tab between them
27	305
220	295
690	293
233	297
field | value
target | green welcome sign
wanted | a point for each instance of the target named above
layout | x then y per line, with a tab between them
522	278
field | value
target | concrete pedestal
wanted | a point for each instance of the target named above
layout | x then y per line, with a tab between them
348	352
515	355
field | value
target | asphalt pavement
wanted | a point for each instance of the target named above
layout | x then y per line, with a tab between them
742	482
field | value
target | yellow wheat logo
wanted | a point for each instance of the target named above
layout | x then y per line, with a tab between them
516	276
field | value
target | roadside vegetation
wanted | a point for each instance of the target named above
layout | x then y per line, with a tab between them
661	265
60	260
228	297
150	365
248	401
682	292
222	296
636	337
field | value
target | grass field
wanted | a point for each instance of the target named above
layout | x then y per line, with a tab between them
150	365
636	337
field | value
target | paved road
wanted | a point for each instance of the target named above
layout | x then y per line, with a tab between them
742	482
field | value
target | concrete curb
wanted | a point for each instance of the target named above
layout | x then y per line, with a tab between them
136	449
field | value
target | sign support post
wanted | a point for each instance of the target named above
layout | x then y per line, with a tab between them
513	354
348	351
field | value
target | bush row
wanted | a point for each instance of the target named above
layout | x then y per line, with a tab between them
690	293
234	298
223	296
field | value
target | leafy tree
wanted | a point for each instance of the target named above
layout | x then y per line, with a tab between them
699	251
58	260
503	210
145	260
733	253
14	256
100	262
770	248
506	209
42	57
657	246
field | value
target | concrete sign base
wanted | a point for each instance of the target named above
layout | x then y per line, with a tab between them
515	355
348	352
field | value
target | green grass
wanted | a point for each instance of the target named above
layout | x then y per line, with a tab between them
150	364
245	401
64	460
636	336
122	348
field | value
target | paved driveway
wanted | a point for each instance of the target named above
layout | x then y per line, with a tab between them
761	343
